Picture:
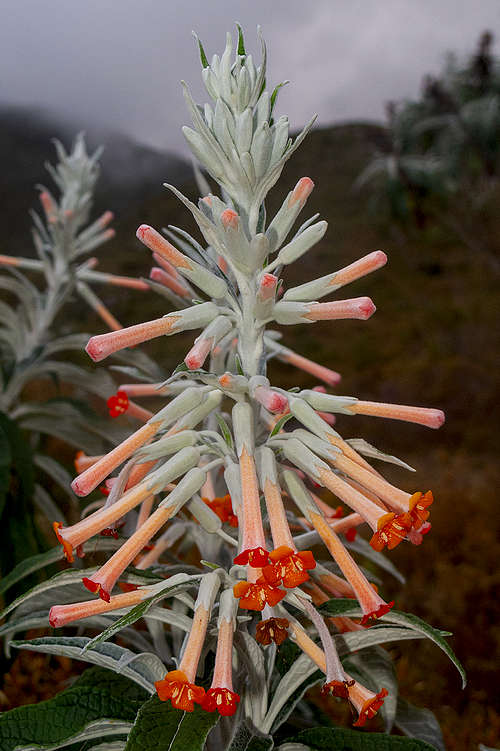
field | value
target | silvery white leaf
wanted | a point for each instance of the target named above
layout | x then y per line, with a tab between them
144	669
97	729
365	448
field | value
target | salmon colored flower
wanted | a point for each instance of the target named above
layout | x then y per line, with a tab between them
288	567
220	697
179	686
256	596
183	694
221	700
272	630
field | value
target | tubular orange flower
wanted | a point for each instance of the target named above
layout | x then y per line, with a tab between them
103	581
179	685
220	696
60	615
288	567
371	603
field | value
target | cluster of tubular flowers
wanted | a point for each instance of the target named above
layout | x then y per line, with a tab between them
220	454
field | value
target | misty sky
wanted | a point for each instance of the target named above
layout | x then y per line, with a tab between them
117	63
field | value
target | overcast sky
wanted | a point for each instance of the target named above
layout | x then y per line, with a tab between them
118	63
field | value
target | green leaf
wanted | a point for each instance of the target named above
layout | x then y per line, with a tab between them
407	620
274	95
144	669
224	429
181	368
96	695
241	41
161	727
282	421
341	739
248	738
203	56
239	366
419	723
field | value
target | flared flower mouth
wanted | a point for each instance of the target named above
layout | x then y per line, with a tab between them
370	708
337	688
272	630
67	547
118	404
391	530
254	557
378	613
288	567
419	505
96	588
256	596
221	700
176	688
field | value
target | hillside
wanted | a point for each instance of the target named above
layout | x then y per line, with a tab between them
434	341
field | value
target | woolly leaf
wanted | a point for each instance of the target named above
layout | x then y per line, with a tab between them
160	726
341	739
144	669
98	694
248	738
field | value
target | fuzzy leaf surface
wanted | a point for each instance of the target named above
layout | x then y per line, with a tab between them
96	695
161	727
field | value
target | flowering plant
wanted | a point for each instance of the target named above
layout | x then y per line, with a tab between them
238	468
32	339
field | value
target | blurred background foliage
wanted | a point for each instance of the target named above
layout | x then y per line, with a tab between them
424	188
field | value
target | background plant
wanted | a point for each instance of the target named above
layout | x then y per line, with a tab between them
441	165
35	346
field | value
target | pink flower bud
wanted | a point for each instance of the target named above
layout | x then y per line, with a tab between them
302	191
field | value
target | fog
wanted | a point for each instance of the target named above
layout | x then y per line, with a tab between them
118	63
